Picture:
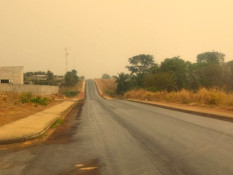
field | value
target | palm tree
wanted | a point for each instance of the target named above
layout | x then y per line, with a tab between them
122	81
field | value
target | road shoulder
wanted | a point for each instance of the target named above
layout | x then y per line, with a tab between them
203	111
37	124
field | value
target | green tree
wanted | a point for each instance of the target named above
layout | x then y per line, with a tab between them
178	67
154	69
230	65
122	81
39	73
211	57
227	76
161	81
209	75
193	82
209	69
140	64
71	78
82	77
28	76
106	76
50	78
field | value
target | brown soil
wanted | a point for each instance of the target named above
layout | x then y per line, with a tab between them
60	134
11	109
52	135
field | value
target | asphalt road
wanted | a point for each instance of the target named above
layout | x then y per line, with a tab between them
114	137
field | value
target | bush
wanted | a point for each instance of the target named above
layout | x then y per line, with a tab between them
71	78
25	97
57	123
160	81
28	98
106	76
110	93
70	93
40	101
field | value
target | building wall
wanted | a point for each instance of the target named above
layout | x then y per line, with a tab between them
12	73
34	89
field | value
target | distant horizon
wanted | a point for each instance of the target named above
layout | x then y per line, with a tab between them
103	72
100	36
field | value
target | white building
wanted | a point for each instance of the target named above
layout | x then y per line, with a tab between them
11	74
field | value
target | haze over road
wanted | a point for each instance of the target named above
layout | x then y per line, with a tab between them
127	138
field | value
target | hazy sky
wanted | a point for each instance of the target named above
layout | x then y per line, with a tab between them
102	34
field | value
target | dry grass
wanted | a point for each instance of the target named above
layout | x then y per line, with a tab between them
107	86
12	109
211	97
73	91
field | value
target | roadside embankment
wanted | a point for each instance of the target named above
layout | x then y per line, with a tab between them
15	106
72	91
34	125
106	88
184	101
214	98
37	124
204	111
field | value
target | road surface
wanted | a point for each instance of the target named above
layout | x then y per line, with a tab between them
114	137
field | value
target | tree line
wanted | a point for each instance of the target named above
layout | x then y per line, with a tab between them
70	79
173	74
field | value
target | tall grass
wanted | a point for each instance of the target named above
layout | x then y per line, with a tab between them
202	96
72	91
107	86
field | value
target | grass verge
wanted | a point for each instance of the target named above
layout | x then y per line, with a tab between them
37	100
58	122
107	87
208	97
70	94
72	91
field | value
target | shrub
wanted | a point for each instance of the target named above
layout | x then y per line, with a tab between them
25	97
40	101
28	98
57	123
110	93
69	94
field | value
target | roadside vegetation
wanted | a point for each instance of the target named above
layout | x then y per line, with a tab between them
37	100
203	97
42	78
208	81
107	86
57	123
71	85
70	91
15	106
68	84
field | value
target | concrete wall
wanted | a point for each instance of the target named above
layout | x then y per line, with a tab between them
12	73
34	89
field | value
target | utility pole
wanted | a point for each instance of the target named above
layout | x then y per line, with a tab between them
74	63
66	54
